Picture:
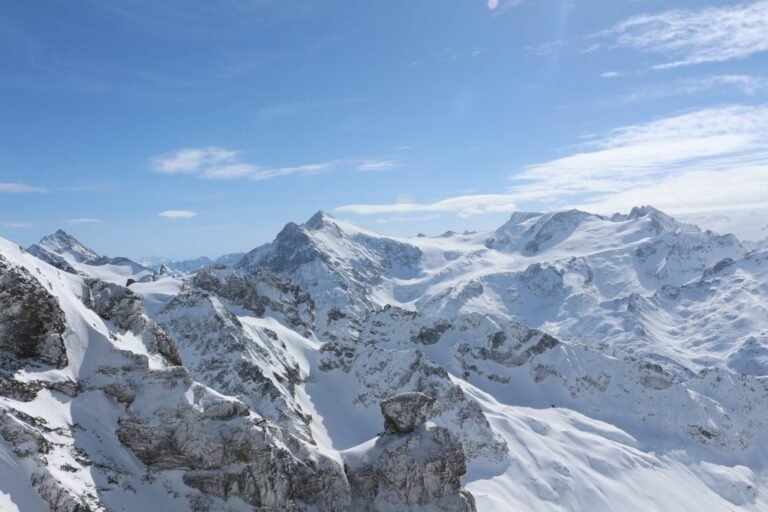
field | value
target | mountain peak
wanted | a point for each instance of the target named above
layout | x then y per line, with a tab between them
62	242
520	217
660	221
318	220
59	235
642	211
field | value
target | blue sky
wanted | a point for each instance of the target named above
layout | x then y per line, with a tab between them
183	128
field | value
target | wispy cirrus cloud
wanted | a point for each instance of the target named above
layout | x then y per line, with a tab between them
192	160
178	214
729	141
215	163
84	220
19	188
685	37
744	84
16	225
713	158
279	111
376	165
501	5
421	218
465	206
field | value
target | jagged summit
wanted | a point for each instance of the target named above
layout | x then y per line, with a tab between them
319	219
67	253
63	243
642	211
659	221
530	233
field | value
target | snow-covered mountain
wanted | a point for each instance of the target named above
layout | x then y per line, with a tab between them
65	252
564	361
190	266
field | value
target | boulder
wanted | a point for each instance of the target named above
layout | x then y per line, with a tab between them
411	466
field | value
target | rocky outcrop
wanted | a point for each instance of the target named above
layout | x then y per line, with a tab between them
125	310
32	323
222	449
382	373
262	292
411	466
51	258
24	434
230	284
406	412
245	361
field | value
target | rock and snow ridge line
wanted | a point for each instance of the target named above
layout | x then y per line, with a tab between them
634	408
98	413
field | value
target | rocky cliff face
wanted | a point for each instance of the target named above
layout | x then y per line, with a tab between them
31	321
223	449
338	264
262	292
126	311
136	419
242	360
411	466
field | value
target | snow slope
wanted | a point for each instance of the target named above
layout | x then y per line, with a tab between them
62	250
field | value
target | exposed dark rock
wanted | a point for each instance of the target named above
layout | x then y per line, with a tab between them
126	311
404	413
225	451
431	335
32	323
230	284
51	258
416	467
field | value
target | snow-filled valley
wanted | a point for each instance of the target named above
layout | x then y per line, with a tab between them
563	362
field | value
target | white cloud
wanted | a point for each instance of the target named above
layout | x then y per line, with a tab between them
178	214
714	158
501	6
84	221
192	160
223	164
610	74
465	206
686	37
745	84
657	147
749	85
16	225
255	173
693	191
376	165
422	218
18	188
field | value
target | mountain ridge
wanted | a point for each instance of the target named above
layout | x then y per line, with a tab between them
559	350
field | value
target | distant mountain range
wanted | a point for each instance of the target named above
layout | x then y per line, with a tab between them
191	265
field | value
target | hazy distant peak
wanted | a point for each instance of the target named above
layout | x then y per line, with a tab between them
62	242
